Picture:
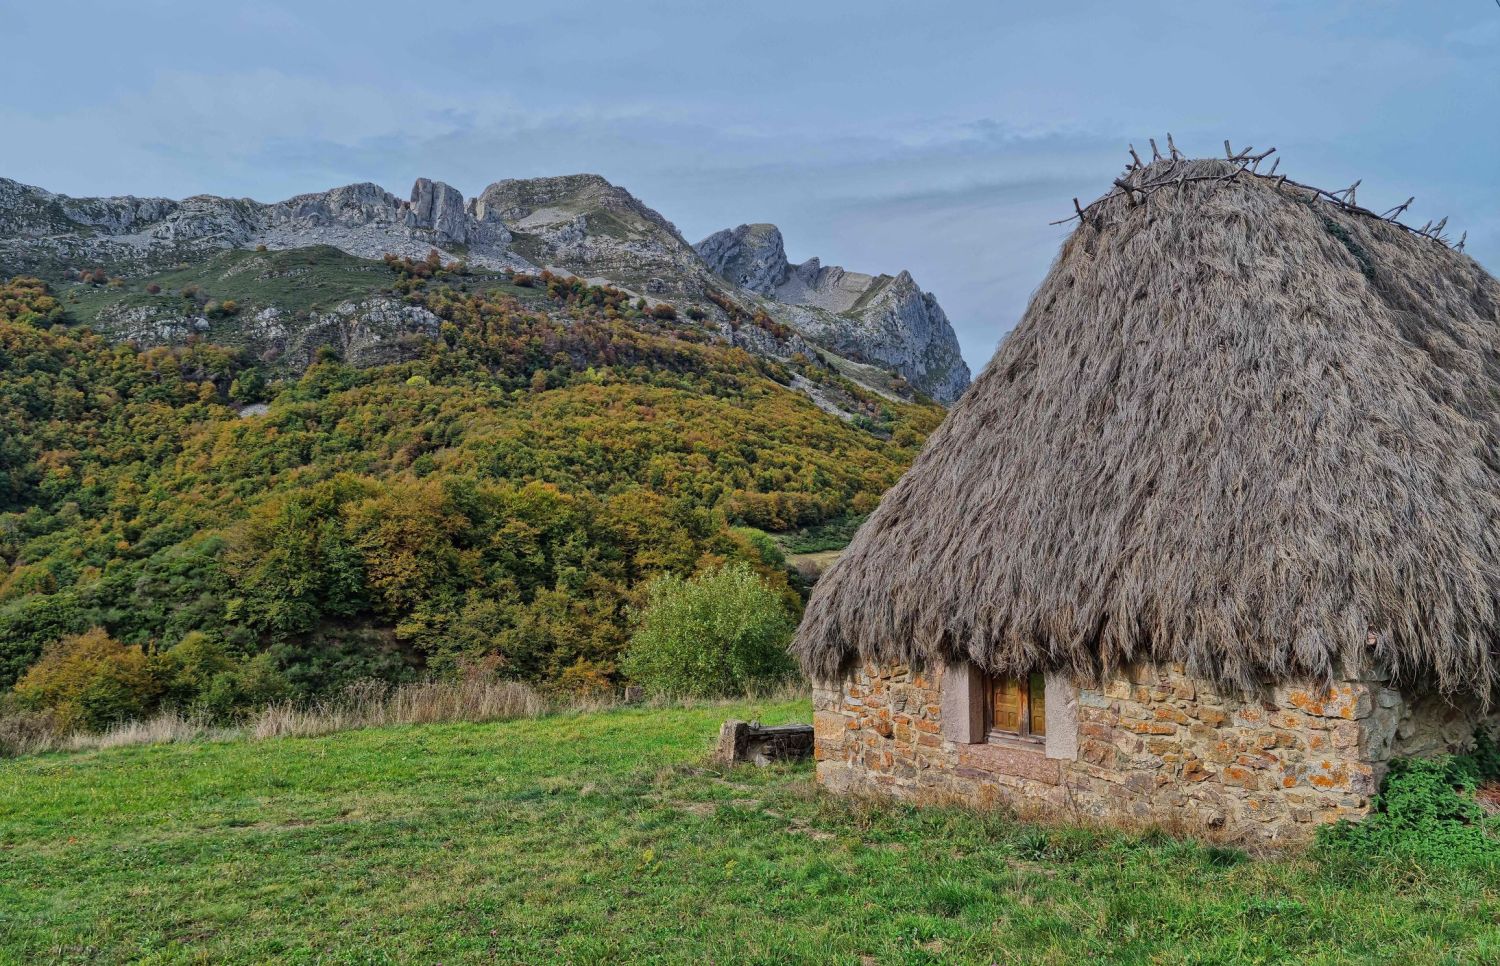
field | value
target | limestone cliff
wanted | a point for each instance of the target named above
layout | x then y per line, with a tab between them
880	319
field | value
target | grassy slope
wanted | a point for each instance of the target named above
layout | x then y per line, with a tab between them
297	280
594	837
300	280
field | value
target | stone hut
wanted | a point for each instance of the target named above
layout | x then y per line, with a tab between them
1214	536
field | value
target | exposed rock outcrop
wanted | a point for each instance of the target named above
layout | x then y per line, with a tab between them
750	256
878	319
583	224
891	322
364	332
128	235
370	332
439	207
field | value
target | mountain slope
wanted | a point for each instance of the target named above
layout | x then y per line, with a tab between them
576	224
877	319
498	493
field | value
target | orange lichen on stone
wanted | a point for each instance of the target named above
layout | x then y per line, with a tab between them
1305	701
1212	716
1235	775
1331	776
1194	771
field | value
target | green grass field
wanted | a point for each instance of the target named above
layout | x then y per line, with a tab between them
605	837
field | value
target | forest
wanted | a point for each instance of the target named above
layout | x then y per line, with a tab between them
500	500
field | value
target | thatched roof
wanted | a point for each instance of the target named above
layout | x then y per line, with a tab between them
1239	427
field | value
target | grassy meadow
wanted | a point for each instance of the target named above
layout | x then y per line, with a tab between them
596	837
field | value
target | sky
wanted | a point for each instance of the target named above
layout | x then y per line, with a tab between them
937	137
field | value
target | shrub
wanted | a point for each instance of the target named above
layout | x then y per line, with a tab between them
584	679
188	667
30	301
720	633
1485	756
221	310
89	680
200	674
27	579
1427	809
291	562
332	664
762	544
153	289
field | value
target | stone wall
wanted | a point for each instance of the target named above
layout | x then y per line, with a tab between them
1430	724
1153	746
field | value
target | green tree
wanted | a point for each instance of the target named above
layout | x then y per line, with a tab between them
29	624
720	633
291	562
248	387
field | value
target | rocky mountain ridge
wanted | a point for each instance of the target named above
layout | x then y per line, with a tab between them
39	229
575	224
879	319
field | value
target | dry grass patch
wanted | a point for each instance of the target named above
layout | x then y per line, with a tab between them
369	704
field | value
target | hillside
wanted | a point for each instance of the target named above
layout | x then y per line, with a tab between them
891	337
602	837
487	470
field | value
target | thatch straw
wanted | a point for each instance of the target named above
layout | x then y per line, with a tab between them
1239	427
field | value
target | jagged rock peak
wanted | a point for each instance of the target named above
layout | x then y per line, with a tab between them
440	207
580	223
881	319
750	256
